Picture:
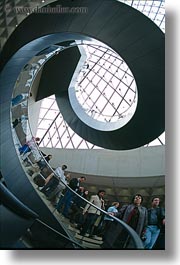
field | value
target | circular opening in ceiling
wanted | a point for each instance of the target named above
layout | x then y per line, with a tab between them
103	91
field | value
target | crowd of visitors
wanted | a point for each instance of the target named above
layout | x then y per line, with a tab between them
66	194
72	200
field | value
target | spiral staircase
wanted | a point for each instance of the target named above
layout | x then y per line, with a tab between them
49	41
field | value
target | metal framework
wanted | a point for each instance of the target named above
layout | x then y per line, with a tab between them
105	89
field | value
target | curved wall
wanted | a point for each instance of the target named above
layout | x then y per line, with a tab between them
141	162
132	35
13	58
12	171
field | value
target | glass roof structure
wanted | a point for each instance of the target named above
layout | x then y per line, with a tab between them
155	10
105	88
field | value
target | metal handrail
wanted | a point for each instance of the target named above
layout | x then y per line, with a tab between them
136	239
14	204
60	234
10	201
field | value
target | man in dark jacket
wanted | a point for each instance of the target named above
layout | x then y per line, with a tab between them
135	215
67	200
156	219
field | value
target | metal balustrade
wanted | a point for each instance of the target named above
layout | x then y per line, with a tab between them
23	133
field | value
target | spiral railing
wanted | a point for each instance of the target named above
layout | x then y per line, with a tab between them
31	155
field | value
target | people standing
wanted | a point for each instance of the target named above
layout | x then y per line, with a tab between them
135	215
52	181
30	146
92	213
67	200
20	98
76	212
156	220
107	218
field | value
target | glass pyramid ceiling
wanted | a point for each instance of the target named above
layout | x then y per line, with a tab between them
101	105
